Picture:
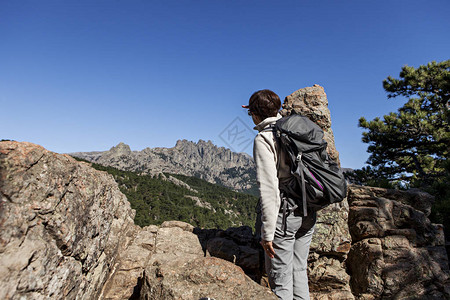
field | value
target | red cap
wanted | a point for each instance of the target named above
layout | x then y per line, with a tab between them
245	106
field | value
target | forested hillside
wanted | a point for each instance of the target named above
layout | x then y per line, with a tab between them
157	199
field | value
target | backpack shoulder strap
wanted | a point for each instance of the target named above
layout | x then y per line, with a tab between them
271	127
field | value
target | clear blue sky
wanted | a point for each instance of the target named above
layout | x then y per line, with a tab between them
86	75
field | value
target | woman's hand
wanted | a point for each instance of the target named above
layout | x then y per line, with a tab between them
268	248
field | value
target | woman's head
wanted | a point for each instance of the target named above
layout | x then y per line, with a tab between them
264	104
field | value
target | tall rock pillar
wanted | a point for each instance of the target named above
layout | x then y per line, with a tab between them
312	102
331	241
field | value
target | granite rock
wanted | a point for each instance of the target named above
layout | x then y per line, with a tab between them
397	253
62	224
312	102
201	277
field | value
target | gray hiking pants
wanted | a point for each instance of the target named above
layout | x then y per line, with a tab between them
288	278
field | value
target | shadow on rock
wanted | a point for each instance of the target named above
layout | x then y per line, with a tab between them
237	245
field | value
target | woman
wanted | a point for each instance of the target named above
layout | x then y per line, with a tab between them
286	247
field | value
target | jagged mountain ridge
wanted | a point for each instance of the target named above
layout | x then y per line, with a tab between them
203	160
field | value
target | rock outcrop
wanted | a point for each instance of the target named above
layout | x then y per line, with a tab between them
62	225
203	160
313	103
397	253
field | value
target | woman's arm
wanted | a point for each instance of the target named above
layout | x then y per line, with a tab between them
266	176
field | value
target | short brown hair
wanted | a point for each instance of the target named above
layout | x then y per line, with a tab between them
264	103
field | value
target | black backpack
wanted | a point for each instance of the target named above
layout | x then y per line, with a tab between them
317	180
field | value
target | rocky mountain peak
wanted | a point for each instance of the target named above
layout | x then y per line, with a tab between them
206	143
201	143
182	143
120	149
201	159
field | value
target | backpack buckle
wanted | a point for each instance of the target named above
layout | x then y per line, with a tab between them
299	157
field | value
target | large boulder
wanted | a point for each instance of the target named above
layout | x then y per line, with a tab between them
179	270
62	225
200	278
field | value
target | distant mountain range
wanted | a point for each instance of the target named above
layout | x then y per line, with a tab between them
203	160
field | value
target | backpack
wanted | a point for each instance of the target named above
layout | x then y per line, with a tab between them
317	180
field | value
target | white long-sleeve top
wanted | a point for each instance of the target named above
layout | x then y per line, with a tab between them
265	155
